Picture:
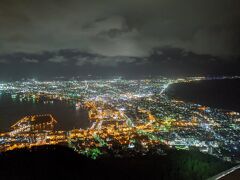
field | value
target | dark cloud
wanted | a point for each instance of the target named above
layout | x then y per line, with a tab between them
57	59
164	61
119	35
125	28
3	61
105	60
26	60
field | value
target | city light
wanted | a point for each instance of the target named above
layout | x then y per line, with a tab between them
124	115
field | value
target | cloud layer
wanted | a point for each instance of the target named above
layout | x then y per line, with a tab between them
131	28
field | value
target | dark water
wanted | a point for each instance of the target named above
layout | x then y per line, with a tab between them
224	94
68	117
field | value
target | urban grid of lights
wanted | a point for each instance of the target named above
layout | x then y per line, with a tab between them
127	117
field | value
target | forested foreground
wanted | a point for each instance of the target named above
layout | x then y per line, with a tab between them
62	162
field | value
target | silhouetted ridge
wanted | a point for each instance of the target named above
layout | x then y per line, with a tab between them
57	161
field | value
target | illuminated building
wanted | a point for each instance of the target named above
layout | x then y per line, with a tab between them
35	123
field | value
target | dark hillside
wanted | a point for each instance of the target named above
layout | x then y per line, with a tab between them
61	162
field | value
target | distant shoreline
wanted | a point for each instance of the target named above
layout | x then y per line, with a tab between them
218	93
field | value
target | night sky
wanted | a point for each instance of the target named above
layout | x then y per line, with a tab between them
52	38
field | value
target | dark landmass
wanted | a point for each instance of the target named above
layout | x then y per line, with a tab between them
223	94
61	162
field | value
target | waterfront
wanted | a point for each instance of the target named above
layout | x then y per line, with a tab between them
127	117
67	115
222	94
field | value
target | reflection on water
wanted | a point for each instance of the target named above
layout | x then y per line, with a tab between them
13	107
